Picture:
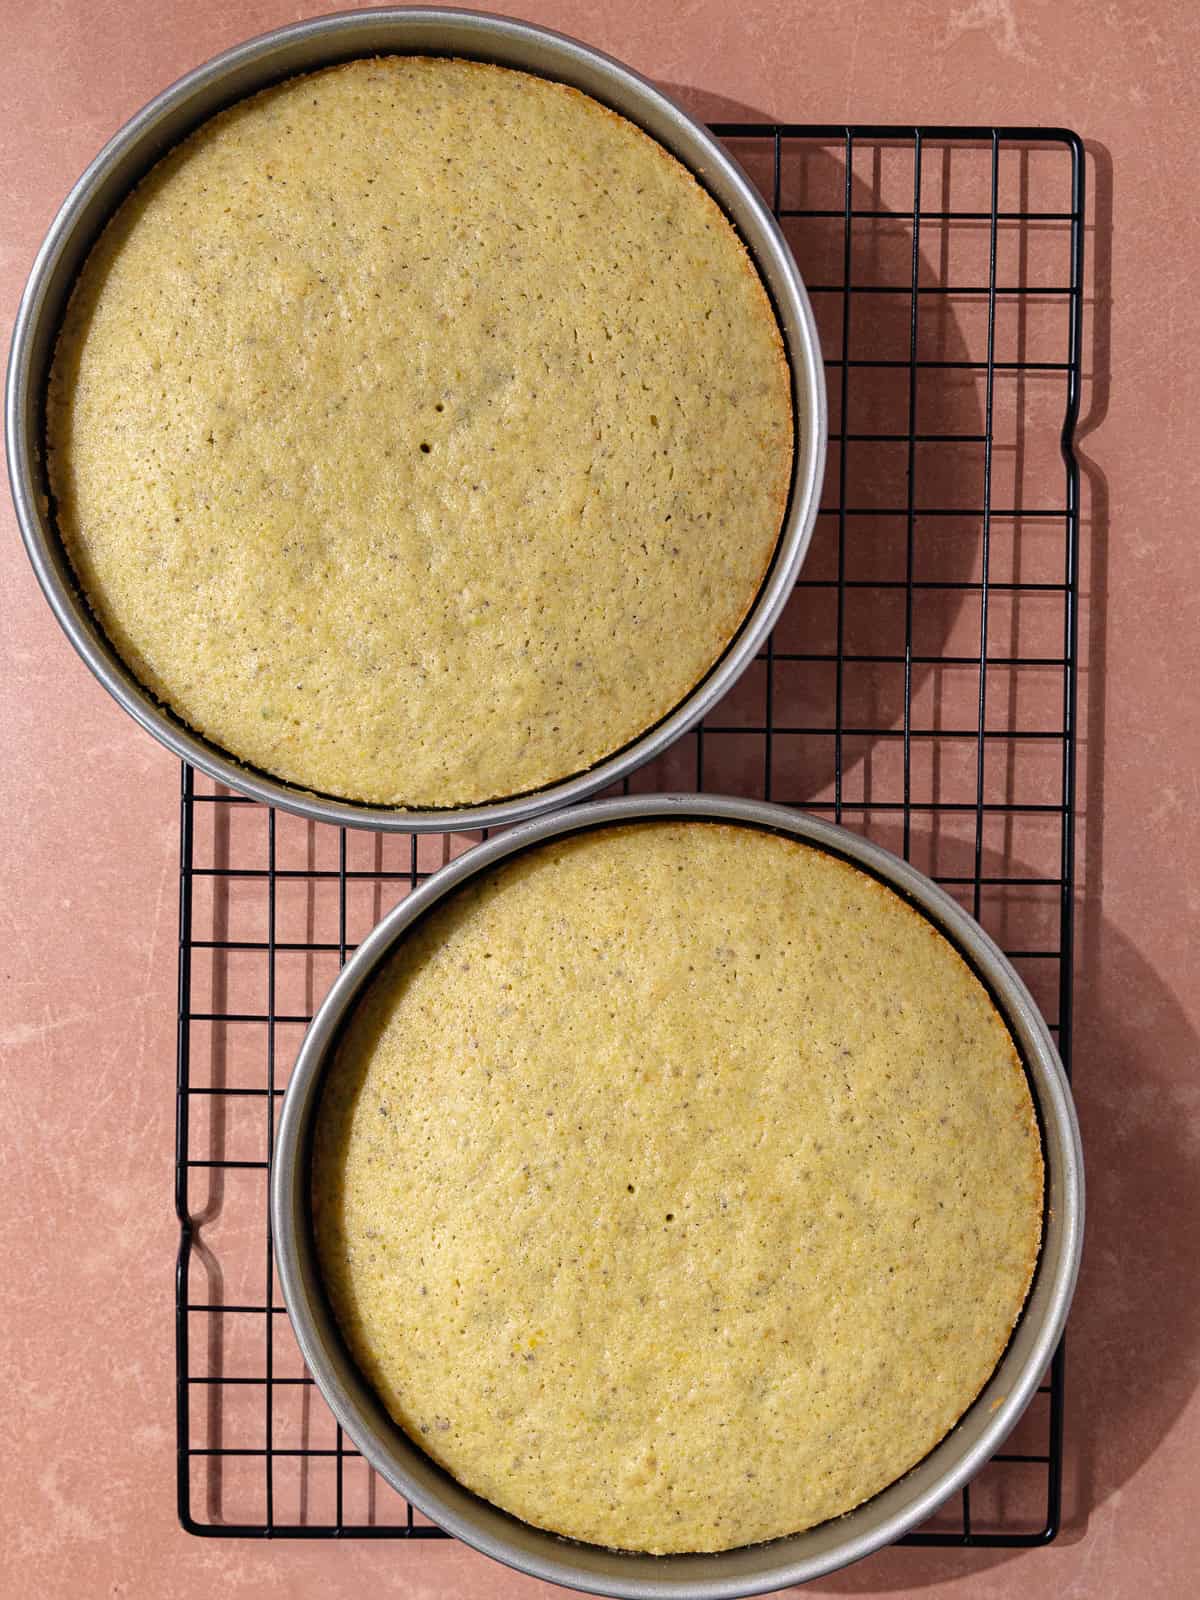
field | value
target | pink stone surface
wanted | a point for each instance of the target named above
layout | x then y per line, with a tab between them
88	830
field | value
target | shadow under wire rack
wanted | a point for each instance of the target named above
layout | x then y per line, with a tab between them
920	688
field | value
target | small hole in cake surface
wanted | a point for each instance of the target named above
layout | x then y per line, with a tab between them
425	449
670	1216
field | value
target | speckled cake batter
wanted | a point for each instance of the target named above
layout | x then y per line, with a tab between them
677	1186
420	431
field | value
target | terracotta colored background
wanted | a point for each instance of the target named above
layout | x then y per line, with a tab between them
89	844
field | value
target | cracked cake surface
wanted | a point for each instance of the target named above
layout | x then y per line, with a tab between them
419	431
676	1186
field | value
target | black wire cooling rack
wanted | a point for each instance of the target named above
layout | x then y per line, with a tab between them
920	687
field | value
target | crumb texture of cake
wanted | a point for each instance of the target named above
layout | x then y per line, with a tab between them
419	431
677	1186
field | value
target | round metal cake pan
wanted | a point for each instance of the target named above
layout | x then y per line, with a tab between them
305	47
753	1569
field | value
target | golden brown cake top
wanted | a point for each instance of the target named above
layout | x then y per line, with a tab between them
420	431
677	1186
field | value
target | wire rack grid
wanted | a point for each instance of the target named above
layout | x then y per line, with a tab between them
920	688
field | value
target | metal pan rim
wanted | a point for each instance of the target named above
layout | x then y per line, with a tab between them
307	46
751	1569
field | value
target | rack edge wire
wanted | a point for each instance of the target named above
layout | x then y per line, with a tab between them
845	134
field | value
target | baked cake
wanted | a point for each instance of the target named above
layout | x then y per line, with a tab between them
677	1186
419	431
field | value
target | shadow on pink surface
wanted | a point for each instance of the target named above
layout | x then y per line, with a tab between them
863	532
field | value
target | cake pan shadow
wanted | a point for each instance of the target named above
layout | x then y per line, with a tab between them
752	1569
305	47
